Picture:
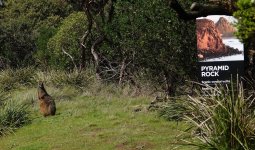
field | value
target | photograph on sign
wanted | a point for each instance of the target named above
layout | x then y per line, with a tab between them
216	40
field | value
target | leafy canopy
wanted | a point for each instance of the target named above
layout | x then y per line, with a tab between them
246	19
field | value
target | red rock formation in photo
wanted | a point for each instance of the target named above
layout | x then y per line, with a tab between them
225	28
208	37
209	40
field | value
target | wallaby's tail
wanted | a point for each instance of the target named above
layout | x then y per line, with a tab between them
53	108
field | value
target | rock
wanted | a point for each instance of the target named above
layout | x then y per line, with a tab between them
200	56
208	37
225	28
138	108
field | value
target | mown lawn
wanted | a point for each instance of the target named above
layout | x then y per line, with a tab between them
86	122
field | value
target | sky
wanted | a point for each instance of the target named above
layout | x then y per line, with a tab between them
215	18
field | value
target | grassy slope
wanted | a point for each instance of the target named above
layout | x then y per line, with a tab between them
88	122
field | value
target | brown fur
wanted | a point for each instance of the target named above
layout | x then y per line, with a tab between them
47	104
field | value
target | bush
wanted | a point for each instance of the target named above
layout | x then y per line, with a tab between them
224	119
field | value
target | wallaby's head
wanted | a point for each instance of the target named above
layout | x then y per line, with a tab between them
41	89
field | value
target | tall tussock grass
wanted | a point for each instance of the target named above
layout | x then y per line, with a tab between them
13	78
13	115
83	81
175	109
224	119
60	78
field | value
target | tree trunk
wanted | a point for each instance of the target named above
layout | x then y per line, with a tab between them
122	70
98	41
83	48
250	58
169	89
1	3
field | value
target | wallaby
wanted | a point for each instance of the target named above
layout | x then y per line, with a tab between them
47	104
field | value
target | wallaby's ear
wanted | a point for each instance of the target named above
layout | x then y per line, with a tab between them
40	84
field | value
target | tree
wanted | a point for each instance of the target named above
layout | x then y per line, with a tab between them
154	40
63	47
20	25
126	37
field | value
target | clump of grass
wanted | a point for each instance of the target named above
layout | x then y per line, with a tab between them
14	78
3	96
224	119
83	81
62	78
11	79
86	82
174	110
13	115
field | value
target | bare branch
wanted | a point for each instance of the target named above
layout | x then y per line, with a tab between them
199	10
83	48
122	69
1	3
70	57
98	41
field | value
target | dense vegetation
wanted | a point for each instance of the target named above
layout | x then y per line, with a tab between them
245	15
120	39
116	49
139	37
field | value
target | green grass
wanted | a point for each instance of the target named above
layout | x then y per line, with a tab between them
88	122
